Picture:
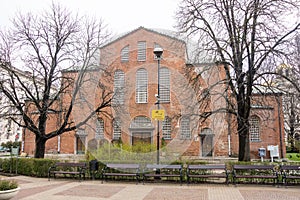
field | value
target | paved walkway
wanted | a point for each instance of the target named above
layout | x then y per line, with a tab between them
61	189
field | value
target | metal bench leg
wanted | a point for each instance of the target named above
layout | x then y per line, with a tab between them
103	178
285	182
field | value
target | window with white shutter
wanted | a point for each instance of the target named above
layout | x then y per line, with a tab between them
141	56
166	128
254	129
99	135
125	54
164	85
185	130
119	87
141	89
116	129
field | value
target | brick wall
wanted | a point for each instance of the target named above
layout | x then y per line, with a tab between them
185	99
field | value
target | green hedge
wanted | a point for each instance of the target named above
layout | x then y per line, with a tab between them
26	166
39	167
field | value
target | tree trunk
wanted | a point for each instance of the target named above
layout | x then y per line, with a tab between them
244	144
40	145
291	138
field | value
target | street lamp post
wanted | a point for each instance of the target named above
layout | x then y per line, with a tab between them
158	52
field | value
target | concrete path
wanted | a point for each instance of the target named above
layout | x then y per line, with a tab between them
62	189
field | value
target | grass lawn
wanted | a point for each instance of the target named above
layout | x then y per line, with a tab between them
293	156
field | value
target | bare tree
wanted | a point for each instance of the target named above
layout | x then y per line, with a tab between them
291	99
51	45
245	36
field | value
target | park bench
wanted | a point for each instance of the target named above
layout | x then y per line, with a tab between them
158	171
207	172
254	172
123	170
289	172
68	168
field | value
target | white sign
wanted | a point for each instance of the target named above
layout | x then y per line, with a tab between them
270	147
15	151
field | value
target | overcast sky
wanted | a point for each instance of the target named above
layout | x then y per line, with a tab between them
120	15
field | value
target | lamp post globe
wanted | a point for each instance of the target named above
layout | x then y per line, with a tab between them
158	51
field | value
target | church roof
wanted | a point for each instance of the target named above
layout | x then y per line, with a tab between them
193	54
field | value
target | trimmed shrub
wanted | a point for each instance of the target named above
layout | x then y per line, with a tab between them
27	166
8	185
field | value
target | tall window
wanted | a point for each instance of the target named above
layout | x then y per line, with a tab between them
254	129
116	129
80	147
141	51
164	85
185	131
141	88
99	135
166	128
119	87
80	141
125	54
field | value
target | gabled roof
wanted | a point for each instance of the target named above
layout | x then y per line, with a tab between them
164	32
193	55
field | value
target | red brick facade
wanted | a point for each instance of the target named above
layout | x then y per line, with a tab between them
187	98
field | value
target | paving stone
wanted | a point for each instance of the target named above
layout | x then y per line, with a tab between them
224	193
177	194
100	191
62	189
270	194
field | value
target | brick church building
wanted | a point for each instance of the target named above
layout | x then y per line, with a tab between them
191	89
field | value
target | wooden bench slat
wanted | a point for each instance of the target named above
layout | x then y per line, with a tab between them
64	168
207	171
162	175
289	172
123	166
131	170
64	172
155	166
261	172
208	175
162	170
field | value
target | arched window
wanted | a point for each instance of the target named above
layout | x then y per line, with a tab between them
164	85
141	88
116	129
254	129
125	54
99	135
185	130
166	128
141	122
141	56
141	130
119	87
